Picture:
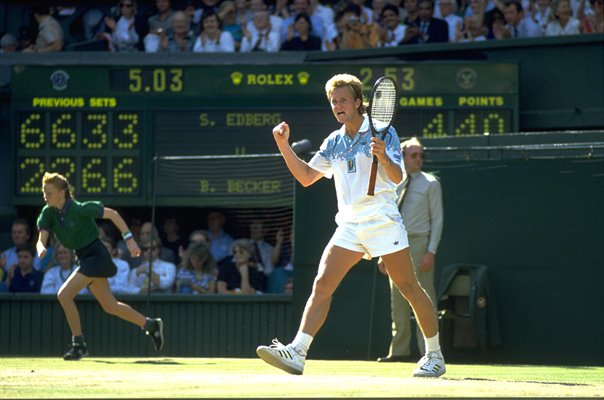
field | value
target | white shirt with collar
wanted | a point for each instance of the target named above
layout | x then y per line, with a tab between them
165	270
349	162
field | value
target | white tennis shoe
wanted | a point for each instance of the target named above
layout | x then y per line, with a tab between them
282	357
432	365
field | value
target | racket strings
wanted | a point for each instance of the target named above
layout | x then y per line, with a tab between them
383	104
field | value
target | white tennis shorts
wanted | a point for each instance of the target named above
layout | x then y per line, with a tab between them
374	237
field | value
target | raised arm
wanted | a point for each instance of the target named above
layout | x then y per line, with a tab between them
298	167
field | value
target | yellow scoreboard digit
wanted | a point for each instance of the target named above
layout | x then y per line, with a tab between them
98	150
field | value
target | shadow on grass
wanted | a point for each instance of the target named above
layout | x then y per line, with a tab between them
152	362
516	381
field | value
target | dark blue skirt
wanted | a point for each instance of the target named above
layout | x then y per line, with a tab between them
95	261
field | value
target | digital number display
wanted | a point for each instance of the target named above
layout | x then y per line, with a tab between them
98	151
444	123
103	125
147	80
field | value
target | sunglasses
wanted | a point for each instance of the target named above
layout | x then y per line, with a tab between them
416	155
128	5
238	251
147	248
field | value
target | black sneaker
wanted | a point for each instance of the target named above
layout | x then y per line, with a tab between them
156	333
76	352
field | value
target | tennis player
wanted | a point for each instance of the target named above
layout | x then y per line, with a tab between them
73	223
368	226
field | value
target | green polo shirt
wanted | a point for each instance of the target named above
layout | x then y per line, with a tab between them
75	224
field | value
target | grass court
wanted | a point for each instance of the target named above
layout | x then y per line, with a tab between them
227	377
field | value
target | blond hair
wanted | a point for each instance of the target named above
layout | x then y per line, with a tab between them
349	81
58	181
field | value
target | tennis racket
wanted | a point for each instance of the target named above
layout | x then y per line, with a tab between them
382	107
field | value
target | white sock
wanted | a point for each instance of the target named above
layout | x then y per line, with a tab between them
302	343
432	344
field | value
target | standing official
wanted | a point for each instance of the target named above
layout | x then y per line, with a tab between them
420	203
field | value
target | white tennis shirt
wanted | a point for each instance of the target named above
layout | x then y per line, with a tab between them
349	162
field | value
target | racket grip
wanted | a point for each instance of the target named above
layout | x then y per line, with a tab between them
372	177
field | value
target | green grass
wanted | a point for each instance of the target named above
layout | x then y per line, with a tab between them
214	377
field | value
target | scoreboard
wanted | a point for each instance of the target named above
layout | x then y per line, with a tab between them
102	126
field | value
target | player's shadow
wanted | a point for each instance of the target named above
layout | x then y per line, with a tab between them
519	381
153	362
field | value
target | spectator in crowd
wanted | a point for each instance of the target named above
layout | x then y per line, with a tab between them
540	13
355	33
160	25
377	6
56	276
562	21
205	6
366	13
153	275
172	239
125	33
479	8
162	21
299	36
8	43
264	253
212	38
410	7
50	33
228	15
221	241
517	25
25	278
426	29
147	232
325	13
95	28
393	31
275	21
20	234
495	24
262	38
303	7
198	274
241	276
476	8
448	12
473	30
402	12
118	283
334	38
281	9
284	268
197	236
592	23
243	12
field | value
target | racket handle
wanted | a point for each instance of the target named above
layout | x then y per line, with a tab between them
372	177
